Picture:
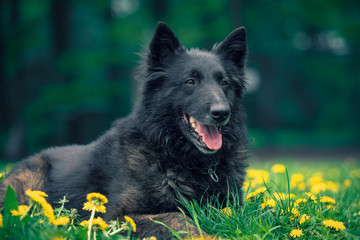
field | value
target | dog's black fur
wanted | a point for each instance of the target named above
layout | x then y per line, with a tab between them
148	159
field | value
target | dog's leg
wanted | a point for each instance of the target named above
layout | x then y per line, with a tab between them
30	174
145	227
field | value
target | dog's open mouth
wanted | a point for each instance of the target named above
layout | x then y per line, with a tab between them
207	136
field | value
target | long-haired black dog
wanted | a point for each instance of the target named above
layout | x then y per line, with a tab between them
185	136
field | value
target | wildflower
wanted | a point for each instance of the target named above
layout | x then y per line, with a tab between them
21	210
1	175
332	186
297	177
48	211
268	203
347	183
303	218
318	187
97	201
296	233
258	176
311	197
61	221
255	193
1	221
152	238
246	185
131	222
328	200
98	223
37	196
301	186
96	198
227	211
89	206
295	212
315	180
300	200
278	168
334	224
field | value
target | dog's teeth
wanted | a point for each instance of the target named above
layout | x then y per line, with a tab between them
193	125
192	120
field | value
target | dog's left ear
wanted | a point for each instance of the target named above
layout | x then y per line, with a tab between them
164	45
234	47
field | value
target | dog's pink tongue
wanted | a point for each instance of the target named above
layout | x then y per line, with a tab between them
211	136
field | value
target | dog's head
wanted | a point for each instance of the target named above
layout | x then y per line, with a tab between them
201	87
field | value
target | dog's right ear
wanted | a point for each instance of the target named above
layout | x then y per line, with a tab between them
164	45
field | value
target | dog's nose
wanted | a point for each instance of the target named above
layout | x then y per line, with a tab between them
220	112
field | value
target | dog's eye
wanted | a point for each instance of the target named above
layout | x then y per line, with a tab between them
190	82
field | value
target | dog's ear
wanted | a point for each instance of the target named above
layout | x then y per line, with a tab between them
164	45
234	47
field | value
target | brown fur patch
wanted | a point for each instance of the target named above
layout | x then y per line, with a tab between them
31	174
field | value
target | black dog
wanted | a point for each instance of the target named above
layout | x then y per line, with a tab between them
185	136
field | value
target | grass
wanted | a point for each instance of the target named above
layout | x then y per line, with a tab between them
283	199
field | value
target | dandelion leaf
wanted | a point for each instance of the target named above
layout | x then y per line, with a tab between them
10	203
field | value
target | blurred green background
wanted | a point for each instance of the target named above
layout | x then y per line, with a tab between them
66	67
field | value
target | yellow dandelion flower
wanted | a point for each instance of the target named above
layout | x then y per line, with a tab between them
131	222
311	197
297	177
301	200
1	175
301	186
61	221
359	212
330	185
1	221
152	238
227	211
96	198
48	212
258	176
303	218
246	185
89	207
326	199
98	223
97	201
331	207
347	183
296	233
21	210
295	212
278	168
315	180
334	224
268	203
297	180
318	187
255	193
37	196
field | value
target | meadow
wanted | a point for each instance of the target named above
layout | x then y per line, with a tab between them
283	199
